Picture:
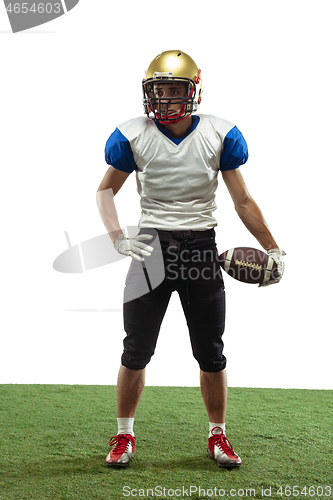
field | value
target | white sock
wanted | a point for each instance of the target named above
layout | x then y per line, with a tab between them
214	424
125	426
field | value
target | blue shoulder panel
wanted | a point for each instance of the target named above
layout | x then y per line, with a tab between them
118	152
235	152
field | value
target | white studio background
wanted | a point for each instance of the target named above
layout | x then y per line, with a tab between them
65	86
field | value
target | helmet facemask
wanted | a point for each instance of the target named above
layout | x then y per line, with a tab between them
161	108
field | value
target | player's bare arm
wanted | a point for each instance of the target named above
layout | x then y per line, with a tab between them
113	179
108	188
247	209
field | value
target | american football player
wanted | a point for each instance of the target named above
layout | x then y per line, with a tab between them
177	157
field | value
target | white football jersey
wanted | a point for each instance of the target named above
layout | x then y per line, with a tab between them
177	178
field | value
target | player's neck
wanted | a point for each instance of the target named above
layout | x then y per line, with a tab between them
179	129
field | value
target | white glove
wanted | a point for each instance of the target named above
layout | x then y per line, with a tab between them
276	255
133	246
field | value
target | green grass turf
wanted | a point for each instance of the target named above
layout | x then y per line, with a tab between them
54	438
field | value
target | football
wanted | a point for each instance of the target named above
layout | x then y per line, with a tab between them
248	265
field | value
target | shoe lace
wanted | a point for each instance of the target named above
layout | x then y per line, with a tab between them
224	444
120	442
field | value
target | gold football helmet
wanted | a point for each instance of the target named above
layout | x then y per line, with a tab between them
170	67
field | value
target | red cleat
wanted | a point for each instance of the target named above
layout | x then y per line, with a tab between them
122	451
220	450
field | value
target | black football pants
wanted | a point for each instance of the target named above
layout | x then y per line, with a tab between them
192	269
